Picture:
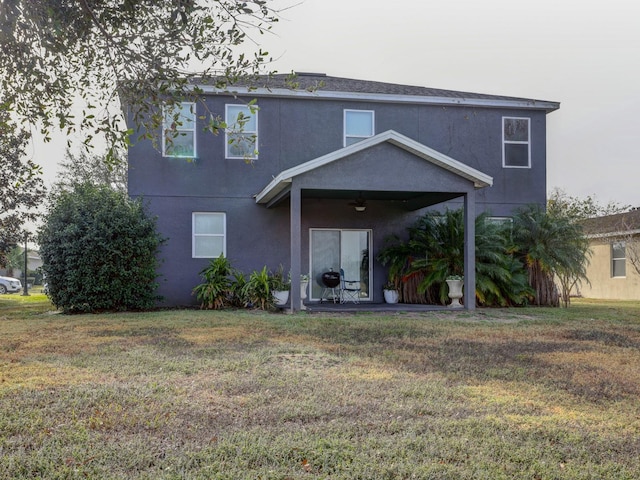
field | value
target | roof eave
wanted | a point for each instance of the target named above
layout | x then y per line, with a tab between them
521	103
615	234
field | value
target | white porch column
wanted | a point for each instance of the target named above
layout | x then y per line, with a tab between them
296	254
470	251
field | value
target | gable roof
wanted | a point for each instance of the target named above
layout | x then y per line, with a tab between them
284	179
319	86
612	225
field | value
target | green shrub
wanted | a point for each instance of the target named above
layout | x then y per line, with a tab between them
224	286
216	292
98	249
238	290
434	252
258	291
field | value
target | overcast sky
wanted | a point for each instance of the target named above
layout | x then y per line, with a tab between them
584	55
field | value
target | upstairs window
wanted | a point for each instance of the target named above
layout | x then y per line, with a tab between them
209	239
358	125
618	259
241	134
179	130
516	144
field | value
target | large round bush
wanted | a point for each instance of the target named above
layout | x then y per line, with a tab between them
98	249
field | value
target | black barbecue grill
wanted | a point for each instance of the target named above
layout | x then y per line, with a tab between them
330	281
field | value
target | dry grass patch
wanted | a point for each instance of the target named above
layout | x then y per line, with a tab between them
500	394
40	375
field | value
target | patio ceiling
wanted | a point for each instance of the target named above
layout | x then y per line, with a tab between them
407	200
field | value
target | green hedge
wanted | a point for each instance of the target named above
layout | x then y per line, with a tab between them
98	249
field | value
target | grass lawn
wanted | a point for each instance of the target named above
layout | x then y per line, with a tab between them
495	394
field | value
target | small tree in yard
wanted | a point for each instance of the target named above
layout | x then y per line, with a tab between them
566	212
560	204
21	186
552	245
98	249
77	168
102	55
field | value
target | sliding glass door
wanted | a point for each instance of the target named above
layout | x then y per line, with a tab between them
333	249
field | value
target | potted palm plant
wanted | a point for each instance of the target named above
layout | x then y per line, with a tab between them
280	287
390	292
264	289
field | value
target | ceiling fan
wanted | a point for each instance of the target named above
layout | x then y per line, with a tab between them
360	204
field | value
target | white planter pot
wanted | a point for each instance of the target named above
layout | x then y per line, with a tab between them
455	293
281	297
390	296
303	293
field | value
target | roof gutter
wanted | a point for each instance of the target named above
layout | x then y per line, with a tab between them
617	234
547	106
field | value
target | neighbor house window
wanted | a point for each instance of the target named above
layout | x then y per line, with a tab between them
358	125
179	130
241	134
516	142
209	235
618	259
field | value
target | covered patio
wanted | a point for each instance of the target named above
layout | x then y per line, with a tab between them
372	307
388	167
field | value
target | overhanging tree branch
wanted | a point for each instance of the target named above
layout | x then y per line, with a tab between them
107	53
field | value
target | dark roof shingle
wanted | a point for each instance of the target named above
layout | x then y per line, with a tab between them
609	224
338	84
326	83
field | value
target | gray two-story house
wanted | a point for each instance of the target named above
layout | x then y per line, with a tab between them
316	178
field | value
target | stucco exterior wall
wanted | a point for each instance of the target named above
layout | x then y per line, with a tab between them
293	131
603	285
257	236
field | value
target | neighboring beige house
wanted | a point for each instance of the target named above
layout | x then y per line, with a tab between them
33	260
33	263
615	257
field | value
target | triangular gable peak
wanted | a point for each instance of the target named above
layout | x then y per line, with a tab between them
281	182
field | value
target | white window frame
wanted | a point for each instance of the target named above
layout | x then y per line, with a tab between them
615	259
501	220
357	137
194	235
167	117
251	110
506	142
